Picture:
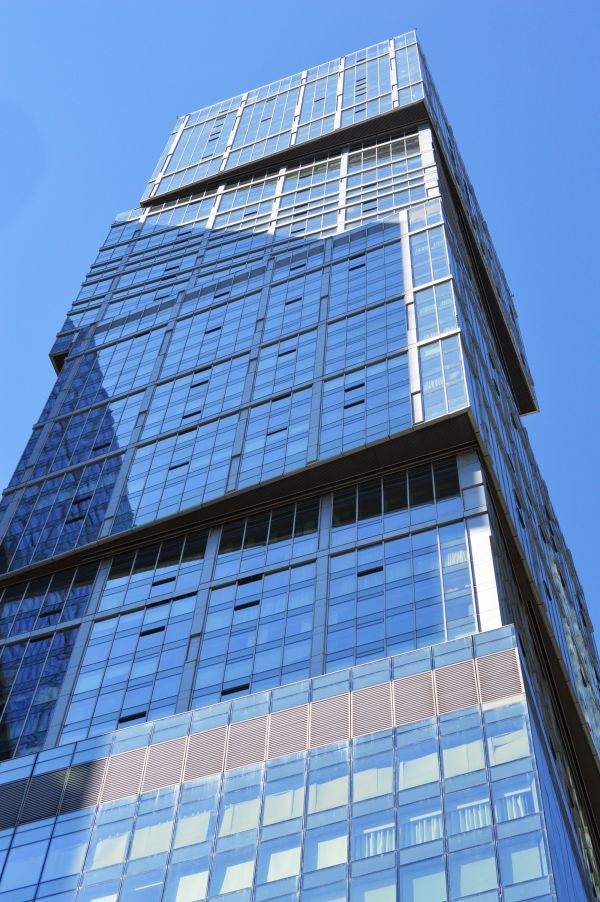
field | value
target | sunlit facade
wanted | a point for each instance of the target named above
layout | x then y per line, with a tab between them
285	610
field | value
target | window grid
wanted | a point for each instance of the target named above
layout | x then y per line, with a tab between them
285	365
211	334
112	370
451	804
180	471
46	601
435	310
131	669
32	674
372	276
173	566
442	377
402	594
200	395
89	434
257	634
364	406
365	336
268	538
276	438
60	513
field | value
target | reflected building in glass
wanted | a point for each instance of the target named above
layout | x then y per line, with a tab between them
286	613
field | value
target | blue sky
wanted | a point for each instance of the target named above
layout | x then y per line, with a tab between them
89	92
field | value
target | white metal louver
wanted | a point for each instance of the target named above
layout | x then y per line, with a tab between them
83	785
288	732
205	754
247	742
124	775
329	720
164	764
413	698
456	687
371	709
499	675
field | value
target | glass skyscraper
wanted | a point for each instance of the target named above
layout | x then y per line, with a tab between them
286	613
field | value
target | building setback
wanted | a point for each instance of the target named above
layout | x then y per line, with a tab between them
285	609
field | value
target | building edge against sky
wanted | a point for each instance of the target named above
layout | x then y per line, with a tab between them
286	612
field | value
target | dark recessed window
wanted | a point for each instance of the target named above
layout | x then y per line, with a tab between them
369	499
445	476
395	495
420	486
344	507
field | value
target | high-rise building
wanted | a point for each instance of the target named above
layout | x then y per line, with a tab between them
285	609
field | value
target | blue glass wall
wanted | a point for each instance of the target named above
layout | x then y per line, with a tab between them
283	441
447	808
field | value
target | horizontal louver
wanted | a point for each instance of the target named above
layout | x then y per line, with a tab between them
329	720
124	775
371	710
164	765
499	675
43	796
83	786
456	687
288	732
11	799
205	754
247	741
413	698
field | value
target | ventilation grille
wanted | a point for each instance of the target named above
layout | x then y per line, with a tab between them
371	710
286	732
11	799
43	796
124	775
499	675
165	764
83	786
329	720
413	698
206	752
456	687
247	741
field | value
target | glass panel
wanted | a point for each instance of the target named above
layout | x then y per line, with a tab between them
472	871
418	762
515	797
424	881
522	858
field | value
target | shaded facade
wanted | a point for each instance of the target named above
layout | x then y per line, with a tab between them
285	610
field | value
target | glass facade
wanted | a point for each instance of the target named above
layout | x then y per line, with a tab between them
285	610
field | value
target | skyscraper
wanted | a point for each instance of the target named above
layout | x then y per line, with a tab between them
285	609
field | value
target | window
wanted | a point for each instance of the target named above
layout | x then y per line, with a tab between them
424	881
373	834
507	738
515	797
417	758
462	753
467	809
522	858
232	870
472	871
325	846
420	822
278	859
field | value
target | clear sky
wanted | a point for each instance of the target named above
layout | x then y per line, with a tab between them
89	90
